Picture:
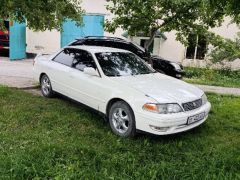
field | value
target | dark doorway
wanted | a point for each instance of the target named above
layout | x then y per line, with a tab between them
150	49
4	40
199	42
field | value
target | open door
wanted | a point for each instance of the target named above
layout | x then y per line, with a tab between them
93	26
17	41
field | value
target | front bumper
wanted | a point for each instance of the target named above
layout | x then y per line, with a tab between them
179	73
169	123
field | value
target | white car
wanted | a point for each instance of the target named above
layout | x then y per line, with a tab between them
124	88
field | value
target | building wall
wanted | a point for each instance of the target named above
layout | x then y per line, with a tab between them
49	41
171	49
43	42
156	44
227	30
175	51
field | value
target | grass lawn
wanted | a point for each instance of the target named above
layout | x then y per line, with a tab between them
58	139
225	78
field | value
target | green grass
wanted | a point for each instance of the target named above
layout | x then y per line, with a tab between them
225	78
58	139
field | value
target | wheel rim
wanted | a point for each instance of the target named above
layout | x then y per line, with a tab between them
120	120
46	86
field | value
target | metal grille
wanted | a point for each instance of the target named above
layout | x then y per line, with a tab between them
192	105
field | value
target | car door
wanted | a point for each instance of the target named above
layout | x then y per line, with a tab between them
58	72
85	87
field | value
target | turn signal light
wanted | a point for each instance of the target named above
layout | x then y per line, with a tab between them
150	107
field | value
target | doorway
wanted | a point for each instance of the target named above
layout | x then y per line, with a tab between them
4	39
17	41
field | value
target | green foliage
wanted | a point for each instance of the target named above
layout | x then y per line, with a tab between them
230	8
227	49
57	139
41	14
183	16
223	77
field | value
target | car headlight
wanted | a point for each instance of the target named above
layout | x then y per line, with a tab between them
176	66
204	99
162	108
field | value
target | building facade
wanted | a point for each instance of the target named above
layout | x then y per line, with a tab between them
96	13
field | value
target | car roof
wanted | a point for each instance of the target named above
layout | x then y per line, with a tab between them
97	49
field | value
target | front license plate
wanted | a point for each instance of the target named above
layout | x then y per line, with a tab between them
195	118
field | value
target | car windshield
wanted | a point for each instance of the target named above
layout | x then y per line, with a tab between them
122	64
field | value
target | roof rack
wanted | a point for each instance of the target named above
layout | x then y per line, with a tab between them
100	37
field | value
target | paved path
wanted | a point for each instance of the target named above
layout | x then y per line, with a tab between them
19	74
220	90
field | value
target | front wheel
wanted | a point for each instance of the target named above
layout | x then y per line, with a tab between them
46	87
122	120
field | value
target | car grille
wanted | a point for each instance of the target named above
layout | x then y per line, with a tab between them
192	105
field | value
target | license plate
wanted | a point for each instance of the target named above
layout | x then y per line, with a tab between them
195	118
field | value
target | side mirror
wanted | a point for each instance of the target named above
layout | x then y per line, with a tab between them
90	71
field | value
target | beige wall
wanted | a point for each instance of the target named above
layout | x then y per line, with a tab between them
42	42
156	44
49	41
175	51
227	30
171	49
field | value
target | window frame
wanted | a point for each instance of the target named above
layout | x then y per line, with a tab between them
76	49
85	52
53	59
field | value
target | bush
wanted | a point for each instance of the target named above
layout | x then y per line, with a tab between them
222	77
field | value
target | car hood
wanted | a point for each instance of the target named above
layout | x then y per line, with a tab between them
162	88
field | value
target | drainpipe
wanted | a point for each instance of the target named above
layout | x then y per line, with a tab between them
195	52
159	49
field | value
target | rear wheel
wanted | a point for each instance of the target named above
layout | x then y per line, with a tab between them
46	87
122	120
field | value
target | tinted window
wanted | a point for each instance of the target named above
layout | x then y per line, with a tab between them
75	58
83	59
122	64
65	57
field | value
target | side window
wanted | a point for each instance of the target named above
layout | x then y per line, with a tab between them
83	59
65	57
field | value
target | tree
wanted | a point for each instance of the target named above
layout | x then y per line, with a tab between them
41	14
230	8
225	49
183	16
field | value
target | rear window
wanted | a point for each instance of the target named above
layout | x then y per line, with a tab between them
65	57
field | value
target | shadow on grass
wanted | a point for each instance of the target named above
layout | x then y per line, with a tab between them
141	134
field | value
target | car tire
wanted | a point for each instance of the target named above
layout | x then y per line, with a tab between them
122	120
46	87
